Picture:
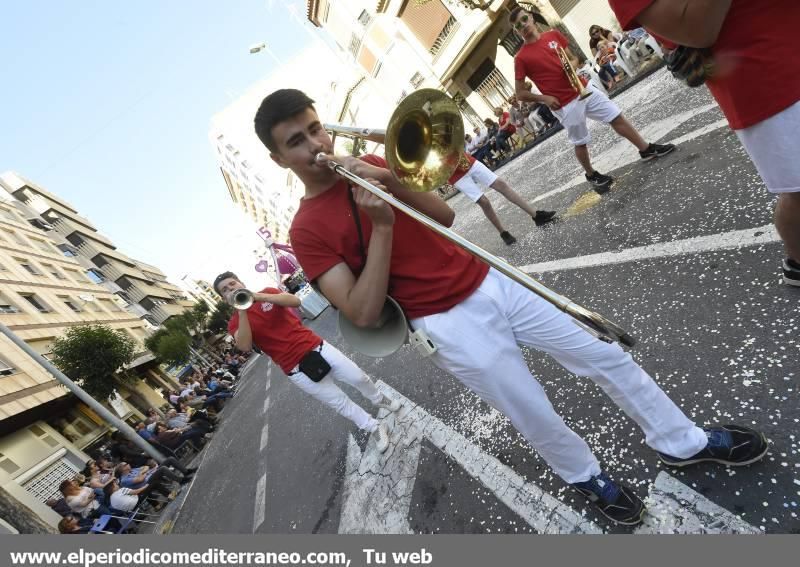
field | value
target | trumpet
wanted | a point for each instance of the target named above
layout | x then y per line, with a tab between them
574	80
242	299
424	143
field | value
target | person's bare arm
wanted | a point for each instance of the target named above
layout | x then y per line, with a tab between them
244	334
280	299
137	491
693	23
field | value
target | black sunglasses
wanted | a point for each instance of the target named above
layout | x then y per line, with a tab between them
521	22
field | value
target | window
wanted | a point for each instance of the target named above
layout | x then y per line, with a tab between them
6	306
69	302
417	80
34	300
41	245
6	369
95	276
29	266
69	253
8	214
73	274
364	18
14	237
8	465
110	305
53	270
355	43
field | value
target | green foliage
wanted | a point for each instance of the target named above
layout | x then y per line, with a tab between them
94	355
173	347
218	322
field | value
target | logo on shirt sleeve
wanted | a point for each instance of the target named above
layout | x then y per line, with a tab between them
265	306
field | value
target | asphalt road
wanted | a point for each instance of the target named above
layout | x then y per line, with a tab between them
680	252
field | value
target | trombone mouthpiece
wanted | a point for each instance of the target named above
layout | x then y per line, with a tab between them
321	159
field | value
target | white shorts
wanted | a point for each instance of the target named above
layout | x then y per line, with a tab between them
573	117
774	146
476	176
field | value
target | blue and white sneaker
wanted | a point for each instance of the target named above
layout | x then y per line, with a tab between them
731	445
615	501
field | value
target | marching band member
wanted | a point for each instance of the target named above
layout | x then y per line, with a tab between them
309	362
538	60
358	248
756	81
468	178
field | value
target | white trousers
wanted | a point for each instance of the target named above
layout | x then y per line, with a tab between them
478	342
326	390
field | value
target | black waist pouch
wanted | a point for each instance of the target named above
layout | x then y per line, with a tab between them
314	366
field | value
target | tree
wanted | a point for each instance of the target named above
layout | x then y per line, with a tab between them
173	347
218	322
96	356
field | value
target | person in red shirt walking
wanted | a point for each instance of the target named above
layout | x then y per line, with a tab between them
538	60
359	249
755	80
471	175
270	325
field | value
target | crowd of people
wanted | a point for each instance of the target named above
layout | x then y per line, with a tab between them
122	478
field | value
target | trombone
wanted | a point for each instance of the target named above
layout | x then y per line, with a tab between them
424	143
573	77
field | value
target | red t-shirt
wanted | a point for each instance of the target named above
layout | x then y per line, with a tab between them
427	273
463	167
539	62
278	332
505	123
757	64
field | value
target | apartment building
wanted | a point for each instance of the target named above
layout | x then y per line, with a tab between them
465	48
139	288
44	430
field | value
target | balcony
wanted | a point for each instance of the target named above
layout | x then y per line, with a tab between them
163	312
111	286
90	250
116	271
42	205
67	227
136	309
140	290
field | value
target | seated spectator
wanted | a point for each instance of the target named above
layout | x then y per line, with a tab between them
125	499
81	500
174	438
139	477
59	506
144	431
505	129
73	525
97	478
124	451
198	421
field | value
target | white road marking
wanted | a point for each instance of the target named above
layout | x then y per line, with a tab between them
266	404
260	502
264	435
674	508
378	487
722	241
622	153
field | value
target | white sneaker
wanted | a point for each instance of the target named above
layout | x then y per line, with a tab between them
388	403
381	437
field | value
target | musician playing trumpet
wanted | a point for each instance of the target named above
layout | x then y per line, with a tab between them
359	249
309	362
541	59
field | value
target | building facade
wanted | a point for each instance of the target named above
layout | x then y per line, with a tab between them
47	286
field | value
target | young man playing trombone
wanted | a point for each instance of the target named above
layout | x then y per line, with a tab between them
309	362
359	249
538	59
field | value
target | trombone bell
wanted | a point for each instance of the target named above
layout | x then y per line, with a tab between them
424	140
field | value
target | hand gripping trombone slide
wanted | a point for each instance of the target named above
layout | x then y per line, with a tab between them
423	146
